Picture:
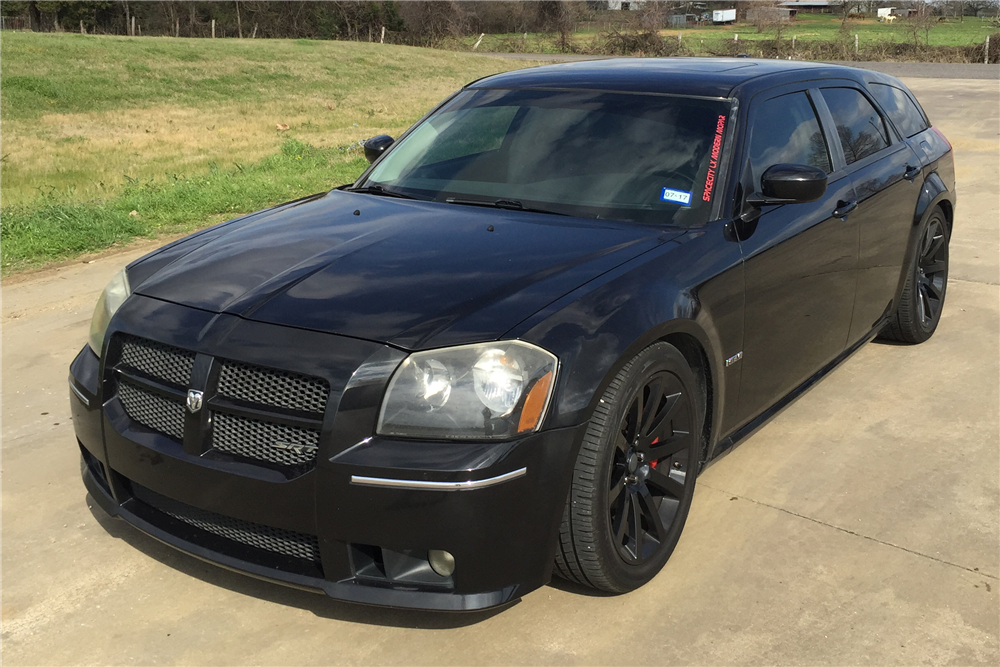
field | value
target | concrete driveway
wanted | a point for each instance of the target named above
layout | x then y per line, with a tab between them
859	527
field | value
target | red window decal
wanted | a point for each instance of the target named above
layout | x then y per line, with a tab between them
713	164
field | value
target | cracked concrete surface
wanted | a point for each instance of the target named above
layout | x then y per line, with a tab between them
860	526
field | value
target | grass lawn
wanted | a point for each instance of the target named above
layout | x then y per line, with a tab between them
183	131
827	27
809	27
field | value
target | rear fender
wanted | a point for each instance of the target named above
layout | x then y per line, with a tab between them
934	193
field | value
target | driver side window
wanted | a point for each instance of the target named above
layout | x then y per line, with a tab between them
786	130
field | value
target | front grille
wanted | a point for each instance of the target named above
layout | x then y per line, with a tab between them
158	360
152	410
250	405
276	540
275	388
266	441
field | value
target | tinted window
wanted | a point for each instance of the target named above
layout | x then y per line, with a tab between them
477	131
645	158
860	128
785	130
902	111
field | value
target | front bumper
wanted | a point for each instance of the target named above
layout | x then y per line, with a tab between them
365	516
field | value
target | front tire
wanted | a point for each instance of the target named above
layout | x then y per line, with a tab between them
919	311
634	476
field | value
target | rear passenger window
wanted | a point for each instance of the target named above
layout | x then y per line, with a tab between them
786	130
860	127
901	109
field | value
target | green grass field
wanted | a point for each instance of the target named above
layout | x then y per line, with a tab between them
807	27
183	131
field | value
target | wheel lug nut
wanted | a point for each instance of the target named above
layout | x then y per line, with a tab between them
677	464
630	479
641	457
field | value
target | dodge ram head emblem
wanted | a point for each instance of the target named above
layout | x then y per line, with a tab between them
194	400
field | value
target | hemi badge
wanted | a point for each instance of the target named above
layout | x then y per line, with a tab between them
733	359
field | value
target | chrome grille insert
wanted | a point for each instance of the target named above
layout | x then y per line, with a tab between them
152	410
266	441
276	540
275	388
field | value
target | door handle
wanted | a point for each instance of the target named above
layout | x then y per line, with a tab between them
911	173
844	208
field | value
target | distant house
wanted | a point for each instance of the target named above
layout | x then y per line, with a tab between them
770	14
684	20
625	5
810	6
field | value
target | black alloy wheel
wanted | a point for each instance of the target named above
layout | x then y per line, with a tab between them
922	300
635	474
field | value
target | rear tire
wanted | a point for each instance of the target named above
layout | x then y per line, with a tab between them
634	476
919	311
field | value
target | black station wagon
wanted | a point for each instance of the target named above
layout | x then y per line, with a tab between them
510	347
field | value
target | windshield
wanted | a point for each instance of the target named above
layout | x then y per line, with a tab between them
643	158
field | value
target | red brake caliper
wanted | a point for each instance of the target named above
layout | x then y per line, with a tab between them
652	464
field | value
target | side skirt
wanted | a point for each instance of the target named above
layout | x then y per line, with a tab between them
730	442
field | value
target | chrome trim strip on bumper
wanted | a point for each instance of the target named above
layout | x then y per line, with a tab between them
437	486
79	394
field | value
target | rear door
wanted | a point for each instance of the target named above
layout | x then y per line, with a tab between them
886	173
800	259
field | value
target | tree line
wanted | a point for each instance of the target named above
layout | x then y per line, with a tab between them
422	22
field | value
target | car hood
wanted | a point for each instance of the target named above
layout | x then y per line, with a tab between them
410	273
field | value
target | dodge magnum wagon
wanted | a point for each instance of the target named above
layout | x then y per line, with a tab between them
508	349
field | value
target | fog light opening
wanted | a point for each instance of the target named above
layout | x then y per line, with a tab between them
441	562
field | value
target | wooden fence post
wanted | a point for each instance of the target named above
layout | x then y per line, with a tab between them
83	31
177	27
132	33
213	28
986	56
855	43
381	39
736	37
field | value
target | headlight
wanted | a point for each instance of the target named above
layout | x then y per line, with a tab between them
112	298
483	391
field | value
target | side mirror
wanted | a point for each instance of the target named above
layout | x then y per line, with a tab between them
790	184
376	146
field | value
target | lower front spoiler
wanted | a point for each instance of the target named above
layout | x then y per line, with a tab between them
348	591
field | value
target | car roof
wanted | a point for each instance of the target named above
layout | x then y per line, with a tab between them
705	77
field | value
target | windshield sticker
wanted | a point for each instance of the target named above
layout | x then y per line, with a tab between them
682	197
713	163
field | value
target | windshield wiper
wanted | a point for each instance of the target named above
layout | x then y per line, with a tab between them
508	204
380	191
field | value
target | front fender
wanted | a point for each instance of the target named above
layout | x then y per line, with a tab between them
690	288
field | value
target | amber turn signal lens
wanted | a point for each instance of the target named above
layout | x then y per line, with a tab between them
534	404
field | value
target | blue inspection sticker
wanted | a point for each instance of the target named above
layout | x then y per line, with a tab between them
682	197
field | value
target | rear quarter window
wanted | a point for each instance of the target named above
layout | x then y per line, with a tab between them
900	107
